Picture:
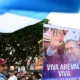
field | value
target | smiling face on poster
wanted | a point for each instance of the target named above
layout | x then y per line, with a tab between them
62	54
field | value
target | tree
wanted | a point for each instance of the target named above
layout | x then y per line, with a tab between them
18	46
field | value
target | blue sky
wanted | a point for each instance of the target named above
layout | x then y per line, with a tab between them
41	5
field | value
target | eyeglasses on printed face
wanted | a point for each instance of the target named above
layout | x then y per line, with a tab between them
70	48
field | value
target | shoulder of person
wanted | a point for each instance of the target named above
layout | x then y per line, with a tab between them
14	77
1	78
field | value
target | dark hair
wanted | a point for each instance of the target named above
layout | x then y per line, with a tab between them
45	29
22	77
16	73
60	49
36	74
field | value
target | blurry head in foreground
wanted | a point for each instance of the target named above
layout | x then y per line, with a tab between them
3	66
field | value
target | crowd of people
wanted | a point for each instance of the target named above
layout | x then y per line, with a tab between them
15	75
58	48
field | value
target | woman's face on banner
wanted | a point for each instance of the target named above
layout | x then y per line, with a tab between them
46	44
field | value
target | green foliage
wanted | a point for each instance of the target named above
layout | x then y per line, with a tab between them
17	46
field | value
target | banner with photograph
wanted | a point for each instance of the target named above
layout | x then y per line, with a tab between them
61	53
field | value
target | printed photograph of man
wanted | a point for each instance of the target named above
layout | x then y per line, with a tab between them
61	49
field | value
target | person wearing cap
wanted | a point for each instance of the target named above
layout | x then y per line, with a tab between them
12	76
3	68
46	41
54	55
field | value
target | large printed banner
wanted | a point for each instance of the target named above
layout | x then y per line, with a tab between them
61	53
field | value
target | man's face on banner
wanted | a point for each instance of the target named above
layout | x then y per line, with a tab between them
72	51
